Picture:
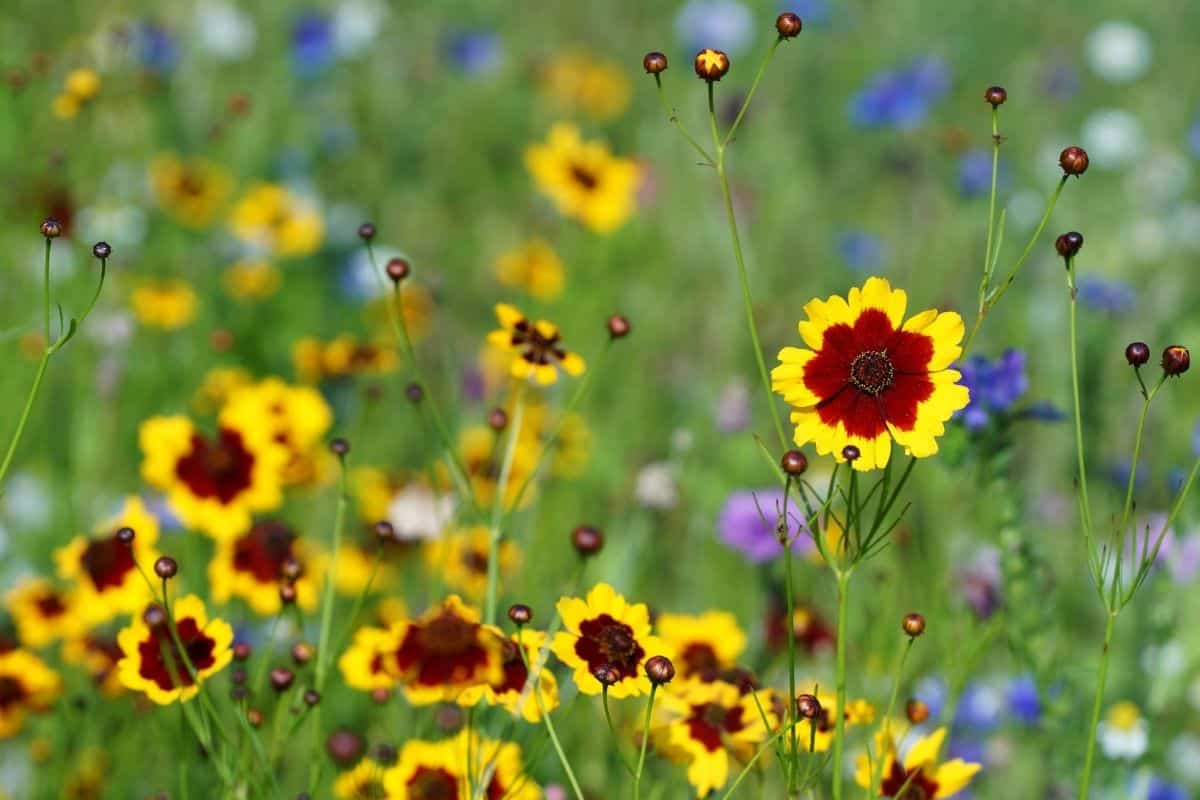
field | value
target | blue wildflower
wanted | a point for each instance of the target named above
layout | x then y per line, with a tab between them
1158	789
723	24
995	386
975	173
932	691
862	252
1024	700
980	707
901	98
475	52
813	12
1106	295
312	44
156	48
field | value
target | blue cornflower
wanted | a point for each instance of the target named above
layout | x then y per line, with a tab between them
861	251
995	386
1158	789
980	707
813	12
475	52
901	98
975	173
1024	700
724	24
156	47
312	43
1106	294
932	691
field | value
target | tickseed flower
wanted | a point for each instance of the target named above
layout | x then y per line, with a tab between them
169	304
606	630
364	782
342	357
870	378
813	633
461	558
444	652
710	727
572	449
218	386
584	179
817	734
585	81
213	484
297	417
1123	733
434	770
480	456
79	88
364	663
251	568
507	692
42	612
26	684
533	267
538	354
153	663
277	221
249	280
706	645
918	776
102	569
97	654
192	191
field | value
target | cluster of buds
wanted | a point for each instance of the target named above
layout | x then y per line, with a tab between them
710	64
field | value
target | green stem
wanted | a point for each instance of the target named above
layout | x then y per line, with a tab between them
19	432
1088	530
545	715
673	118
987	255
613	730
496	531
750	95
839	737
887	717
1097	703
637	778
789	587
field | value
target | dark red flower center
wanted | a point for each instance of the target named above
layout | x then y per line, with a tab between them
432	783
263	550
700	660
708	722
12	692
869	375
911	784
370	789
584	177
222	470
160	657
475	561
537	349
50	604
446	650
603	640
107	561
515	671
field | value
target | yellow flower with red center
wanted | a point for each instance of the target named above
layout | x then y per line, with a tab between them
460	556
444	652
584	179
250	280
712	727
582	80
572	448
536	347
605	630
511	691
869	377
342	357
277	221
480	454
364	664
817	734
153	663
42	612
26	684
296	417
364	782
218	386
192	190
918	776
533	267
168	305
436	770
103	571
707	645
213	484
414	305
251	566
98	654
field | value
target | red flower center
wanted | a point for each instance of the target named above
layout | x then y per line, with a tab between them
159	646
515	671
107	562
50	604
585	177
444	651
432	783
710	721
475	561
603	640
538	349
222	470
911	784
869	374
699	659
12	692
263	550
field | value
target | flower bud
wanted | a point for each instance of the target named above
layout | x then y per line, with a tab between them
101	250
914	625
397	269
51	228
851	453
606	674
287	593
384	531
788	25
414	392
655	62
345	747
497	419
254	717
339	447
165	567
659	670
1069	244
996	95
1176	360
241	651
125	535
618	326
808	706
794	463
520	614
281	679
587	540
916	711
366	231
311	697
711	65
1073	160
1137	353
155	616
302	653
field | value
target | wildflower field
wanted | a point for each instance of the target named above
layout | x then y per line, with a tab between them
595	401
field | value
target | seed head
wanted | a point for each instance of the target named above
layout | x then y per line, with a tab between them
711	65
397	269
101	250
339	447
808	706
1073	160
914	625
996	95
366	231
165	567
607	675
520	614
1176	360
51	228
587	540
788	24
497	419
125	535
794	463
916	711
281	679
1069	244
1137	353
659	670
654	62
618	326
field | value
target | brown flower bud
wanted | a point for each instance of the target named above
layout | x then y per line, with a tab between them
165	567
102	250
711	65
794	463
996	95
916	711
1176	360
587	540
302	653
254	717
155	616
281	679
1137	353
659	670
1069	244
125	535
520	614
345	747
241	651
414	392
239	676
339	447
1073	160
497	419
366	231
808	706
618	326
914	625
788	25
287	593
311	697
654	62
380	695
397	269
851	453
384	531
291	569
51	228
606	674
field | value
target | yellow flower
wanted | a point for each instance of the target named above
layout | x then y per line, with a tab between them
97	654
277	221
364	664
439	769
214	484
251	280
444	652
342	357
918	775
153	663
480	456
193	191
218	386
461	558
817	734
83	84
707	644
250	567
415	306
26	684
584	179
711	727
870	377
585	81
42	612
533	267
511	691
537	352
296	417
65	106
103	570
364	782
606	630
169	304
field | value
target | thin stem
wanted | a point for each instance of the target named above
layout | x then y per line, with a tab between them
673	118
1128	508
613	730
987	255
496	531
1101	680
789	585
754	760
637	778
839	737
29	401
887	718
750	95
545	715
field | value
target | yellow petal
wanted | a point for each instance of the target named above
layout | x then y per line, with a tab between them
508	315
953	776
926	750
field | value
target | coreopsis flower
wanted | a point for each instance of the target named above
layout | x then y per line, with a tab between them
103	571
250	280
461	558
26	684
536	348
428	770
705	645
817	734
152	662
297	418
364	782
167	304
277	221
42	612
364	663
533	267
344	356
571	450
80	87
251	566
603	630
585	81
97	654
918	775
444	652
1124	732
712	727
213	484
481	457
584	179
218	386
510	692
869	377
192	191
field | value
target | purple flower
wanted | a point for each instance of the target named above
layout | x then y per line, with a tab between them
979	707
743	528
156	48
979	582
1181	555
995	386
901	98
312	44
475	52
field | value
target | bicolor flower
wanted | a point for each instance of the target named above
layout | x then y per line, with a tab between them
153	663
535	346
